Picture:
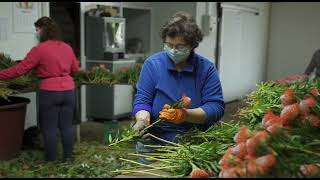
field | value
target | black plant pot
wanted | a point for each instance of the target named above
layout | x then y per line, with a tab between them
12	120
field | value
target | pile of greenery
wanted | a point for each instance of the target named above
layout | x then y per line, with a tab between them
92	160
27	82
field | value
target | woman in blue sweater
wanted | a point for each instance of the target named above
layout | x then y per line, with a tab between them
176	71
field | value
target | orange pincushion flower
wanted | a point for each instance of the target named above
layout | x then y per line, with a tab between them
229	160
228	173
289	113
234	172
269	114
275	120
224	161
240	150
183	102
186	101
288	97
270	118
251	167
313	120
274	128
265	163
309	170
241	136
315	92
252	145
261	136
124	69
306	105
197	172
240	171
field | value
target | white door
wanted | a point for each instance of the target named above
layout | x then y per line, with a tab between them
236	55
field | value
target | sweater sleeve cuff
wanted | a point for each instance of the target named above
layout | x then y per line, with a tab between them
209	114
140	107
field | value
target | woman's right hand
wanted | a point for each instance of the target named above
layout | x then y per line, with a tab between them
142	120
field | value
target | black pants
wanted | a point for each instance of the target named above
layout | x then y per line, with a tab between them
56	110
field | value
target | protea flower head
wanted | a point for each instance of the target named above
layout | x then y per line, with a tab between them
315	92
124	69
197	172
186	101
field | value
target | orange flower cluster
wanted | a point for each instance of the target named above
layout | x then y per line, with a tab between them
244	159
251	156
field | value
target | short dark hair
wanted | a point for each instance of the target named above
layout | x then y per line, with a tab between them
49	29
182	24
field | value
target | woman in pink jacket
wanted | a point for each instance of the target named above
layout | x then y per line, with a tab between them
54	62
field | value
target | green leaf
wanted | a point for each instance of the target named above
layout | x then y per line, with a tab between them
110	138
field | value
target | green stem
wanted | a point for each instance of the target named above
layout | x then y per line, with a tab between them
134	162
131	137
142	172
193	165
146	170
172	143
299	149
161	146
226	124
147	156
162	154
122	140
157	121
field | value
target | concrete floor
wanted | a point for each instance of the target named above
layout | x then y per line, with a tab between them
94	131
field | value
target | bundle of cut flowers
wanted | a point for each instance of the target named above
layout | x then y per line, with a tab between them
129	75
130	134
95	75
290	79
285	145
196	155
278	138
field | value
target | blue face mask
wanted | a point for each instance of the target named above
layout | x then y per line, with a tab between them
177	55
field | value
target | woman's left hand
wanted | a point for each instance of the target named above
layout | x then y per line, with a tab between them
176	116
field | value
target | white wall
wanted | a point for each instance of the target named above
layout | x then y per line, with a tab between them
253	49
161	11
242	69
17	46
207	46
294	37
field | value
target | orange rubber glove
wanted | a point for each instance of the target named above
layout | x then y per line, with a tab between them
176	116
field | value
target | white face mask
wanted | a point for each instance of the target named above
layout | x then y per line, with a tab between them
177	55
38	36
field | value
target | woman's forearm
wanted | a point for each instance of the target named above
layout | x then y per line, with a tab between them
197	116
